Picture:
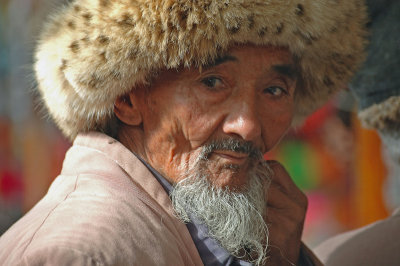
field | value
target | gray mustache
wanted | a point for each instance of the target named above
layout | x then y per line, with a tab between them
231	144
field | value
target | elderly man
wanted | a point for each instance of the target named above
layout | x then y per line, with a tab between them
171	106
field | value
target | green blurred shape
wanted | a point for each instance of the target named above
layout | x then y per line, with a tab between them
301	162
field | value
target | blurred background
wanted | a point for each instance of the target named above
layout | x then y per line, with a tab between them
339	165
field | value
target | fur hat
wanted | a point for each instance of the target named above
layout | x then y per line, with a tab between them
93	51
377	85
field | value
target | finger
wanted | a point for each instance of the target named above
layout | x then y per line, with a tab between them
283	225
277	198
279	216
281	176
290	204
286	208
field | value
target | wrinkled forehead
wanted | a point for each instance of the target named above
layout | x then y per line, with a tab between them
278	59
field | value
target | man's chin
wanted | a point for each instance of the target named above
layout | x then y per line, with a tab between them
231	180
228	175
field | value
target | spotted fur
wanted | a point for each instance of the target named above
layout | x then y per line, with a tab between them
93	51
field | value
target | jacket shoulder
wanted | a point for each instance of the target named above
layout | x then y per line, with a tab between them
85	218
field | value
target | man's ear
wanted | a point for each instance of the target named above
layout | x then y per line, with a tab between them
126	109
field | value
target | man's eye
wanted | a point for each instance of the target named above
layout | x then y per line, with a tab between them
212	83
275	91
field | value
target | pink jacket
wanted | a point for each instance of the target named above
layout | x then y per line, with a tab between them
105	208
372	245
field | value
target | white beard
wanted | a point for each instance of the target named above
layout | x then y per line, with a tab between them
234	219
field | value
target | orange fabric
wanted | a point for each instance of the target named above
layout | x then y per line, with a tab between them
370	176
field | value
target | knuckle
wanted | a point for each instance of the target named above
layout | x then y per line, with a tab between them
304	200
275	165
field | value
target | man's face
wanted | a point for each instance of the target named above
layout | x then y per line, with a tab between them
246	97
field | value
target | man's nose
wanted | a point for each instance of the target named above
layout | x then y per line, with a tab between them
243	121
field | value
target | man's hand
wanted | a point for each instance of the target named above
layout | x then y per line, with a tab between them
286	210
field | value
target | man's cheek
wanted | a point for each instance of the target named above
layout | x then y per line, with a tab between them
200	130
274	133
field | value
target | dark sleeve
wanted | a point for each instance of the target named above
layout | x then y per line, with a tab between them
307	257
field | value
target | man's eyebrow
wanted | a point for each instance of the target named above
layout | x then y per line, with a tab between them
219	60
288	70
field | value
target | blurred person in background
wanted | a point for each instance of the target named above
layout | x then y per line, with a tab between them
170	106
377	89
